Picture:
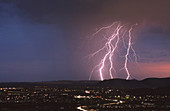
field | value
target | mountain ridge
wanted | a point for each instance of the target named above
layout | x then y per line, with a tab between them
112	83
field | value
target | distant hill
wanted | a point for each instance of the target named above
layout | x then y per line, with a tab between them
146	83
61	83
112	83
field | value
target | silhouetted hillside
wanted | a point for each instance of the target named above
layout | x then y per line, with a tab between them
112	83
146	83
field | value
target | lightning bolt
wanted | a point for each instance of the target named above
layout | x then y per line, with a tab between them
127	53
110	47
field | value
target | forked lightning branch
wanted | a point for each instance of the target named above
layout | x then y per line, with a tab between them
116	33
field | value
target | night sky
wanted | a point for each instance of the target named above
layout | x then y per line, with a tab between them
44	40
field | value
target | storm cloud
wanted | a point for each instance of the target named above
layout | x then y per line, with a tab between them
47	39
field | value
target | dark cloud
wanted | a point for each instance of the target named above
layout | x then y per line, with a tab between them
155	11
30	50
51	34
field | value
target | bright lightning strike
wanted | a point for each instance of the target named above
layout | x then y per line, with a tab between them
110	47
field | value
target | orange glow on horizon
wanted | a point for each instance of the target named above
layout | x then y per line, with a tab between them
160	69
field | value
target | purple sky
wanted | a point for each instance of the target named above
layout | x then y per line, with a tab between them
43	40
